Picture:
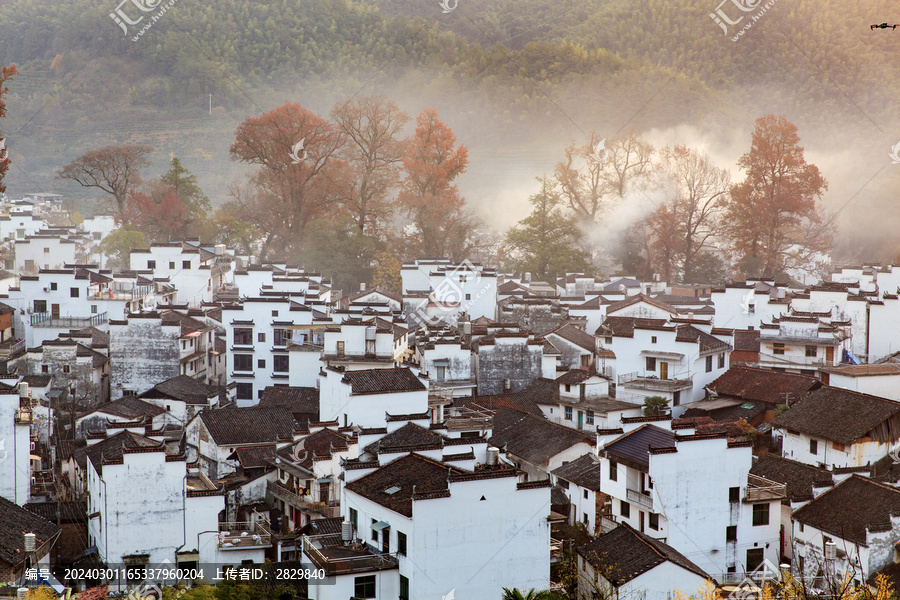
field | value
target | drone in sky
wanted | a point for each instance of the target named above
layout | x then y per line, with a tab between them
884	26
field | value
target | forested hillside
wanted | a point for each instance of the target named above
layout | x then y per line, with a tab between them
517	80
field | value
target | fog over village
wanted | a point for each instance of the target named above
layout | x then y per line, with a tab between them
437	299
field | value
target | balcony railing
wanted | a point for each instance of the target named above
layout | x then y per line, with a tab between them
326	509
44	319
238	535
607	523
760	489
12	348
639	381
329	553
136	292
640	499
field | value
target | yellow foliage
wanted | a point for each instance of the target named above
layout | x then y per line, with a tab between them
387	271
41	593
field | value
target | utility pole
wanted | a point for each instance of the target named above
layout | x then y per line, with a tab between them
210	105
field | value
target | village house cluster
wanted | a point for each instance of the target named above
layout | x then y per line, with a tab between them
462	434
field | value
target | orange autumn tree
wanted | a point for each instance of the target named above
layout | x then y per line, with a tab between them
773	221
428	196
292	186
6	73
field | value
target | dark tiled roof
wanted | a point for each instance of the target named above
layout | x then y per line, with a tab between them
184	388
112	448
520	401
574	377
852	506
254	457
584	472
746	341
763	385
634	446
15	522
375	381
188	324
69	511
37	380
330	525
129	407
409	436
799	478
319	444
575	335
624	554
542	391
689	333
624	326
253	425
839	415
630	300
298	400
409	471
533	438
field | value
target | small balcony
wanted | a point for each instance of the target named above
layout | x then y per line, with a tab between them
642	500
304	502
45	319
328	552
638	381
24	416
135	292
11	348
760	489
241	535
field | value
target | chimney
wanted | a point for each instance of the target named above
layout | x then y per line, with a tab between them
362	286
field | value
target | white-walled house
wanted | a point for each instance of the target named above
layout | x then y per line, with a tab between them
881	379
653	358
581	479
800	344
196	272
130	520
307	484
212	436
625	563
861	517
421	523
446	290
15	439
803	483
45	251
719	515
839	428
447	360
258	332
363	397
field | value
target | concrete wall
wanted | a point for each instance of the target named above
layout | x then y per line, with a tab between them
15	468
142	353
508	358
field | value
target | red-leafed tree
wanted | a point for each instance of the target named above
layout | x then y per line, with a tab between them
773	219
293	185
6	74
428	197
159	213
